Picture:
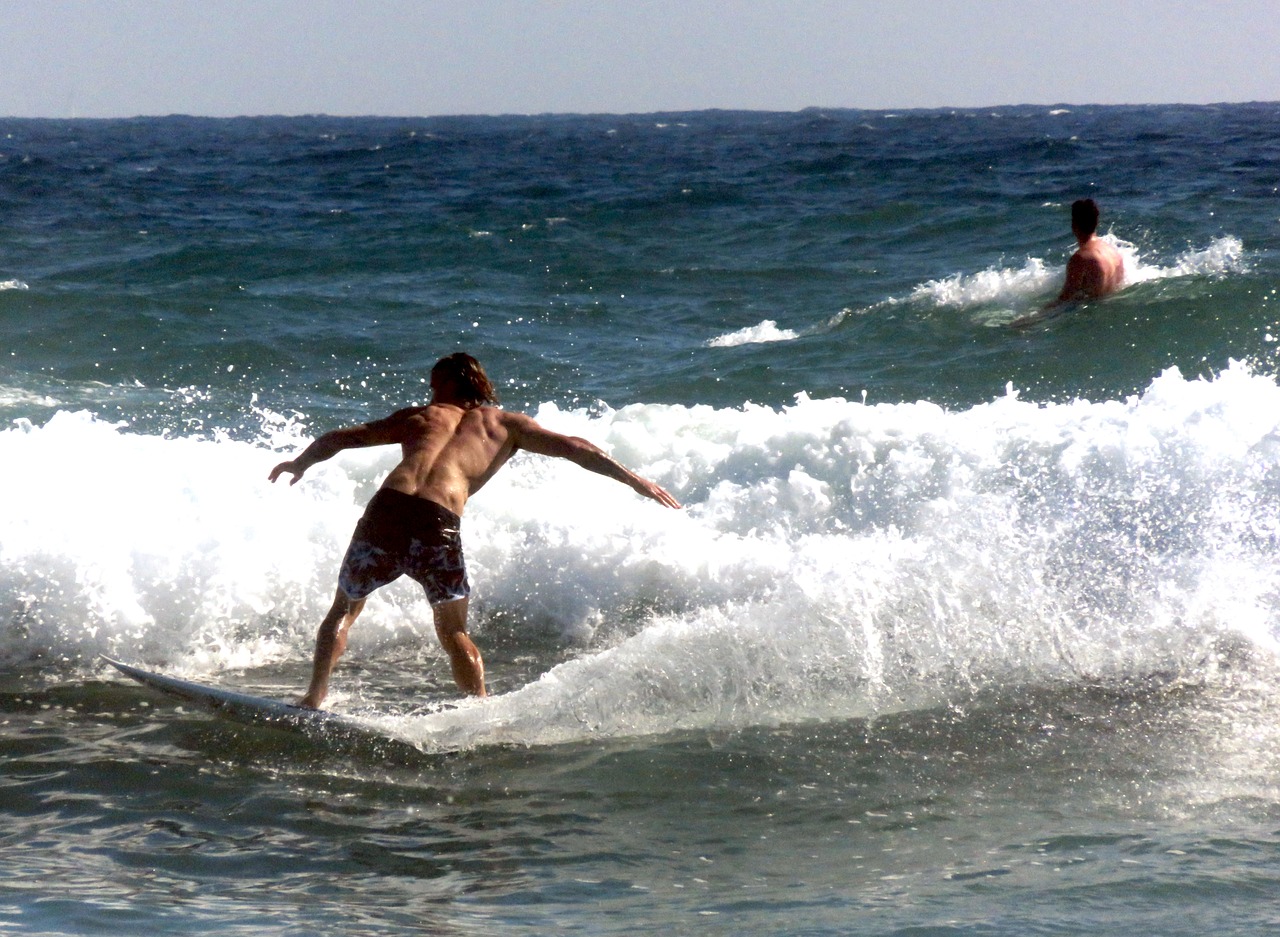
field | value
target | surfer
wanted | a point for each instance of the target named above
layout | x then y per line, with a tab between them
1094	270
450	448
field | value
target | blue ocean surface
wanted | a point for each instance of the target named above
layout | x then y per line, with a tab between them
963	629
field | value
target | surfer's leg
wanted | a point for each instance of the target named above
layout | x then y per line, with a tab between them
331	641
464	656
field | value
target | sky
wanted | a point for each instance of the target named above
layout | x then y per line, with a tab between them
220	58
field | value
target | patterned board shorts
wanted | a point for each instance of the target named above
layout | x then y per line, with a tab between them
400	535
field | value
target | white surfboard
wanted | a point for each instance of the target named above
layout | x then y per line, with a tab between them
248	709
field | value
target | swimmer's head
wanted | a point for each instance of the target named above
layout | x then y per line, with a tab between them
460	378
1084	217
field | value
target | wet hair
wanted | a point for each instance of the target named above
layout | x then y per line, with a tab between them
1084	215
465	378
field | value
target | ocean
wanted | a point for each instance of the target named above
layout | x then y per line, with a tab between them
963	630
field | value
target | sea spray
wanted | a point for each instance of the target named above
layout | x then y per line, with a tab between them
917	556
920	652
833	558
993	292
1038	279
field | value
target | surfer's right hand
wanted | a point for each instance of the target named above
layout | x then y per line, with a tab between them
291	467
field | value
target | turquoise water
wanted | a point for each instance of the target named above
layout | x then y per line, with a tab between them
963	630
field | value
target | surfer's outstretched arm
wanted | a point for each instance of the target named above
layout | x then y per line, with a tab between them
378	433
534	438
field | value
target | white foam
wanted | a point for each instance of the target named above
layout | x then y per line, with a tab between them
25	398
766	331
1224	256
995	284
1014	287
1035	278
834	559
856	560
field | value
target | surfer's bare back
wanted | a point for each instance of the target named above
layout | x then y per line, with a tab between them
1095	270
450	447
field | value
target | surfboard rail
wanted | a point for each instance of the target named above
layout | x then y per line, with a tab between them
246	708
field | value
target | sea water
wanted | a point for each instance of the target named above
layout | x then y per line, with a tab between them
962	629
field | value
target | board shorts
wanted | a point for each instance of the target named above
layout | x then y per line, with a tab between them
400	535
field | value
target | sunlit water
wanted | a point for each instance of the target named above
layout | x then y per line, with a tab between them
962	630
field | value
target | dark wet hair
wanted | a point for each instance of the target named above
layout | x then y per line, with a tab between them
465	378
1084	215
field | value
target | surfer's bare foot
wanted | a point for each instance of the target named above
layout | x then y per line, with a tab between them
306	702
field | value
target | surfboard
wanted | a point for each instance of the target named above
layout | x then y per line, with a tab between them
248	709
